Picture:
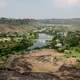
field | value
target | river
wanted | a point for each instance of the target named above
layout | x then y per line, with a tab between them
41	41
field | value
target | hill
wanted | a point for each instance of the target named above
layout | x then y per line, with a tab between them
73	21
17	25
22	25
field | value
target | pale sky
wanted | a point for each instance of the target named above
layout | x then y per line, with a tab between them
40	9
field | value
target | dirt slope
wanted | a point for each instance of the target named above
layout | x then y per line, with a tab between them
44	64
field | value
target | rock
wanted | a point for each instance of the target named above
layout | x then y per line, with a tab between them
13	75
17	63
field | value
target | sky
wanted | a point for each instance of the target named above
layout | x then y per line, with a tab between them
40	9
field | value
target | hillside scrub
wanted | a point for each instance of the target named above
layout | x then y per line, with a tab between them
11	43
65	42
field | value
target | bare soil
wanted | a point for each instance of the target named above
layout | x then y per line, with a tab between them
46	64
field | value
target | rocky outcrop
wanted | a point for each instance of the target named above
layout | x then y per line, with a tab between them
68	72
13	75
20	67
17	63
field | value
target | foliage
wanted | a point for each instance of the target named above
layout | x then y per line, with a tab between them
15	42
73	52
63	42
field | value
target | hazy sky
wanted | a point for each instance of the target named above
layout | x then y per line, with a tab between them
40	8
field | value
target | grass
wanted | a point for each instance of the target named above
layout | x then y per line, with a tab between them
73	52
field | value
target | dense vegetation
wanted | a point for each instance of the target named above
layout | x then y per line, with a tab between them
11	43
67	42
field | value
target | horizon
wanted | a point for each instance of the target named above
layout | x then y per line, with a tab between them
38	18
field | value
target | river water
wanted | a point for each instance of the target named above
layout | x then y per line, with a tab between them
41	41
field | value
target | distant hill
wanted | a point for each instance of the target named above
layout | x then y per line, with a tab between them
17	25
21	25
74	21
63	24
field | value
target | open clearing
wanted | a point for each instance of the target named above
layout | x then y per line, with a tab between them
47	60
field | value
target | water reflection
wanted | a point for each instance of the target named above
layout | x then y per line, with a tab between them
41	41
